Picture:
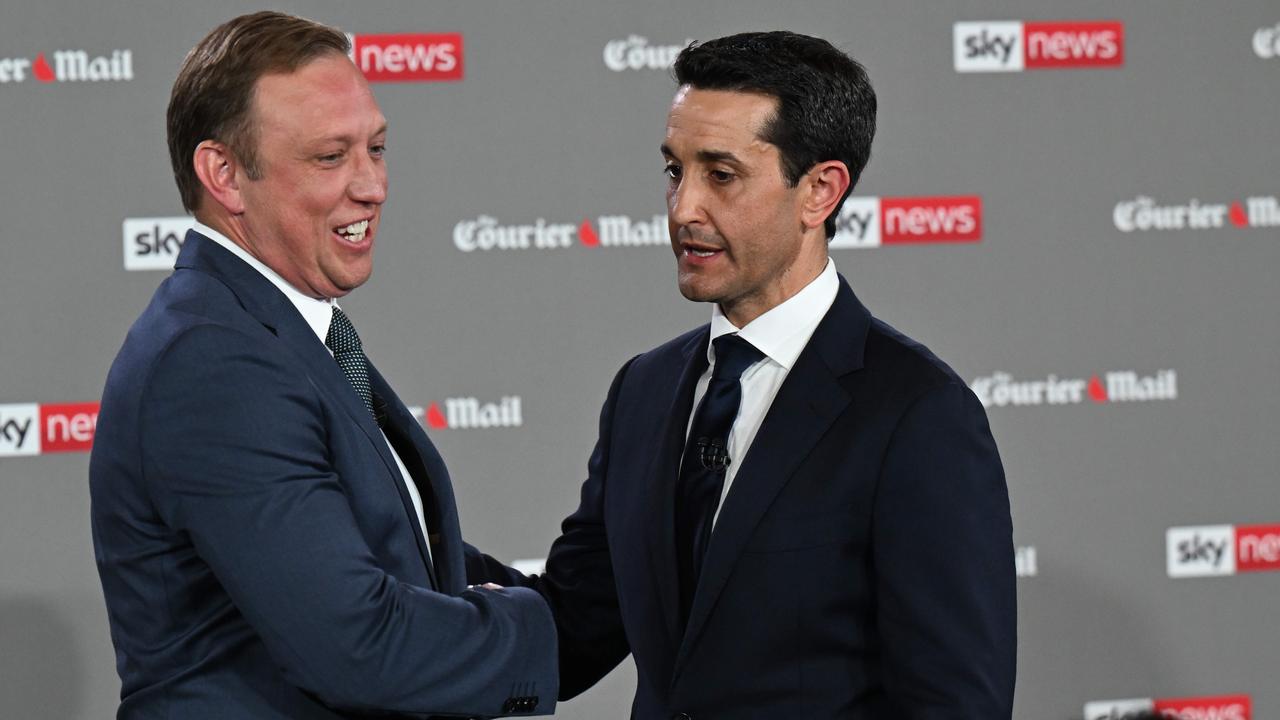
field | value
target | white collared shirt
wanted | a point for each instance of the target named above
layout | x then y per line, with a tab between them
781	334
317	313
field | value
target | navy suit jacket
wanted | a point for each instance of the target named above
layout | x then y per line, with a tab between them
258	550
862	563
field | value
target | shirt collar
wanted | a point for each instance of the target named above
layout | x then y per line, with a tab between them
317	313
783	331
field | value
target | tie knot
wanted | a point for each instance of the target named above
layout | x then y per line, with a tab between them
733	356
342	335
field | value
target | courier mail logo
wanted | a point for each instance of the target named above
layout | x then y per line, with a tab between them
153	243
1144	214
462	413
1266	43
408	57
68	66
866	222
1223	707
35	429
1001	389
1014	46
1211	550
635	53
487	233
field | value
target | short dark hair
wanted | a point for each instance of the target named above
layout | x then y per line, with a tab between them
826	106
212	97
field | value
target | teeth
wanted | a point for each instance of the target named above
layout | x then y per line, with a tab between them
702	253
355	231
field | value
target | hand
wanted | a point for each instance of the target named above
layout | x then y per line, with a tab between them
486	586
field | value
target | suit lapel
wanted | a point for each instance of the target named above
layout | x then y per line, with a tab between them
270	307
434	487
665	474
809	401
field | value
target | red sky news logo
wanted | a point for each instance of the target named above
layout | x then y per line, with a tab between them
874	221
461	413
1222	707
1014	45
408	57
1212	550
153	243
609	231
36	429
1143	214
1000	389
62	66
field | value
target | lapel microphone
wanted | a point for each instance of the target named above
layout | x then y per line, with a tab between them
713	455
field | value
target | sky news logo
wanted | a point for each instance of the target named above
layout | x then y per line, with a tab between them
866	222
463	413
1000	389
1143	214
68	66
38	429
486	233
1222	707
1014	46
1215	550
408	57
153	243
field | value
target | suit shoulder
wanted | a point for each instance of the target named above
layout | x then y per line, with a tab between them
890	354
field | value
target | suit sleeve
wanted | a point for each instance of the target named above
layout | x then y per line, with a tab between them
943	553
235	454
579	582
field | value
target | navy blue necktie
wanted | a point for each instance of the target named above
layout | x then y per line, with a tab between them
706	460
345	344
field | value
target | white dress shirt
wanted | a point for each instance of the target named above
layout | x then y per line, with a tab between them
781	334
318	314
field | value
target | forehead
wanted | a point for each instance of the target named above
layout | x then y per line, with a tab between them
729	119
323	96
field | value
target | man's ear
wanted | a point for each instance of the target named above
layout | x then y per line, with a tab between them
824	184
216	167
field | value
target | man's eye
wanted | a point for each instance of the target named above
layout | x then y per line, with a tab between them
331	157
721	176
378	150
672	171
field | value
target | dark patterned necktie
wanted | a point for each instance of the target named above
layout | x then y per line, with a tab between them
345	344
706	460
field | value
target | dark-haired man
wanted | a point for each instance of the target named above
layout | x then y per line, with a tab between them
795	511
276	536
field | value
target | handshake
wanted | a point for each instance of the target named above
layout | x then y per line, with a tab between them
793	511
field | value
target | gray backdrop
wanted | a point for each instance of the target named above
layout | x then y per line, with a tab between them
1078	272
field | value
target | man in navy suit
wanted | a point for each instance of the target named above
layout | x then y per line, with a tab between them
276	536
795	511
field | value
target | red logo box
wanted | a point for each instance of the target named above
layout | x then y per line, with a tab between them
931	219
409	57
68	427
1226	707
1073	44
1257	548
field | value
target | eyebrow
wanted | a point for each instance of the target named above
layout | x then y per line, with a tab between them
708	156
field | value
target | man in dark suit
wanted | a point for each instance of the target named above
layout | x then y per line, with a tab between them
276	536
796	511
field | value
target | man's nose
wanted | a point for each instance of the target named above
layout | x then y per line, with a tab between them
369	185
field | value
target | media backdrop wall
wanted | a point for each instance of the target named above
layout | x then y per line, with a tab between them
1073	203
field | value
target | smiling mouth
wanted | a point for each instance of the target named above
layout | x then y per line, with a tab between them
355	232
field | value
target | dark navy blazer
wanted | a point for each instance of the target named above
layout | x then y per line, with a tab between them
862	563
258	550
